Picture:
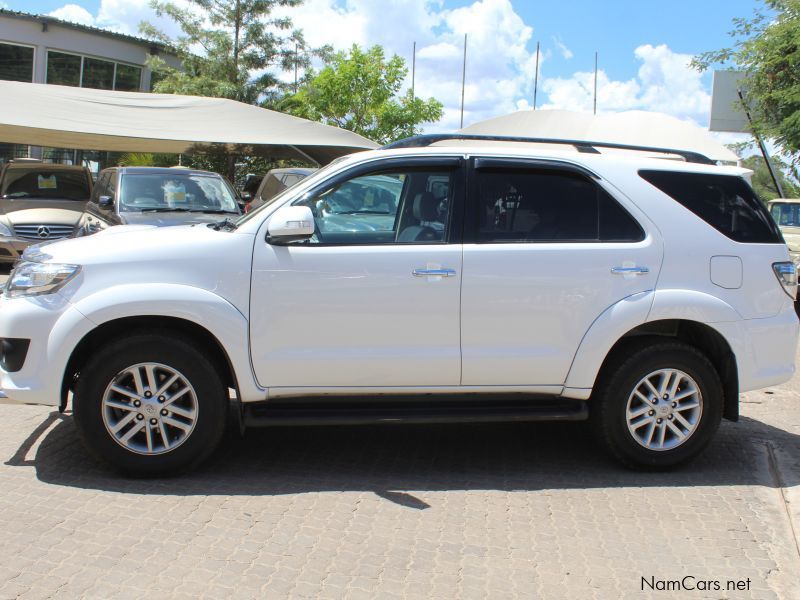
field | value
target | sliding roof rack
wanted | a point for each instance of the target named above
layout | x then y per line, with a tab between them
421	141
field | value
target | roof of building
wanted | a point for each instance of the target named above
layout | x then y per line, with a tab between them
46	19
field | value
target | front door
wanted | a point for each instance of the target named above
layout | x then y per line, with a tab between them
372	300
548	250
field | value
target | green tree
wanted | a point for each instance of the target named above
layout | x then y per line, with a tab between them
762	180
359	91
766	49
147	159
229	48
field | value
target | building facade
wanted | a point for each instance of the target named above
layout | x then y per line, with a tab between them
42	49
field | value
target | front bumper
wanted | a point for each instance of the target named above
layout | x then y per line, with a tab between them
54	328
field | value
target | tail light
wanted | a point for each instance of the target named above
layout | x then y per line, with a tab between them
786	272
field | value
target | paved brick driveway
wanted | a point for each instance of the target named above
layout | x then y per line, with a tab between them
476	511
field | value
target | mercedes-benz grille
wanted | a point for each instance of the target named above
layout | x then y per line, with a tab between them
43	232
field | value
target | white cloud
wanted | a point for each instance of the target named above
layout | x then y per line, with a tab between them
122	16
566	53
664	82
74	14
500	66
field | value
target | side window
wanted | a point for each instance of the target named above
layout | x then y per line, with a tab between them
726	202
270	186
388	207
539	205
111	184
291	178
785	214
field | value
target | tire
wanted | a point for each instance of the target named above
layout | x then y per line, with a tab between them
175	430
628	373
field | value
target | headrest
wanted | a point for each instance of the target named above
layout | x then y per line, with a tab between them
426	207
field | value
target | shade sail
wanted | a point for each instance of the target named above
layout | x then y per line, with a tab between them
69	117
633	128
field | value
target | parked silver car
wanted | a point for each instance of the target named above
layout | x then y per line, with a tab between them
39	202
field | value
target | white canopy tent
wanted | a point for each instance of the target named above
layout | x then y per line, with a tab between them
69	117
630	128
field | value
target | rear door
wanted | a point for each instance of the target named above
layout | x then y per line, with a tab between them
547	250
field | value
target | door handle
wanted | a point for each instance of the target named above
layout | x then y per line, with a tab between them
434	272
630	270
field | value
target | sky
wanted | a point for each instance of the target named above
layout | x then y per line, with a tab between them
644	47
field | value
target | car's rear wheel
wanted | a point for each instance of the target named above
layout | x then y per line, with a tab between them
150	404
658	405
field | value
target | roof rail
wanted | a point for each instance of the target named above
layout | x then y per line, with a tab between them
421	141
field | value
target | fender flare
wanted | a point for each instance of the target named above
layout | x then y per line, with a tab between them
631	312
206	309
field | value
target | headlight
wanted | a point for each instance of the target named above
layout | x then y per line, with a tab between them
5	231
35	279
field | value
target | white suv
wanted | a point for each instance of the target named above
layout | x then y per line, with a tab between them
435	280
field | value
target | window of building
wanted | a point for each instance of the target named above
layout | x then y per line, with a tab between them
16	63
532	205
88	72
128	78
98	74
63	69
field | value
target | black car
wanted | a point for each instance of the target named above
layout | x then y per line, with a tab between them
158	196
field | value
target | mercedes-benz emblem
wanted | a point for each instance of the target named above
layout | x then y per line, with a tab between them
43	232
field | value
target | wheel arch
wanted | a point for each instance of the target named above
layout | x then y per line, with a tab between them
108	330
698	335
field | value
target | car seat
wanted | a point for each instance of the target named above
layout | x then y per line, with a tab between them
426	213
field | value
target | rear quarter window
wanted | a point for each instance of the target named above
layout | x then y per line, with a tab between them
725	202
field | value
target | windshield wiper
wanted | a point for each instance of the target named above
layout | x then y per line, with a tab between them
165	209
213	211
362	212
226	223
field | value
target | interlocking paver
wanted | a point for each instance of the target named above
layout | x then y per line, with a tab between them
467	511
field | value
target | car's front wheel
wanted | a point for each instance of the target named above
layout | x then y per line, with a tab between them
150	404
657	406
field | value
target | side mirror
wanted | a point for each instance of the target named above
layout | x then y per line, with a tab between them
105	201
290	224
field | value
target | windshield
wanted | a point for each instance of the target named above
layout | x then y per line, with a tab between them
315	176
41	183
165	192
786	214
